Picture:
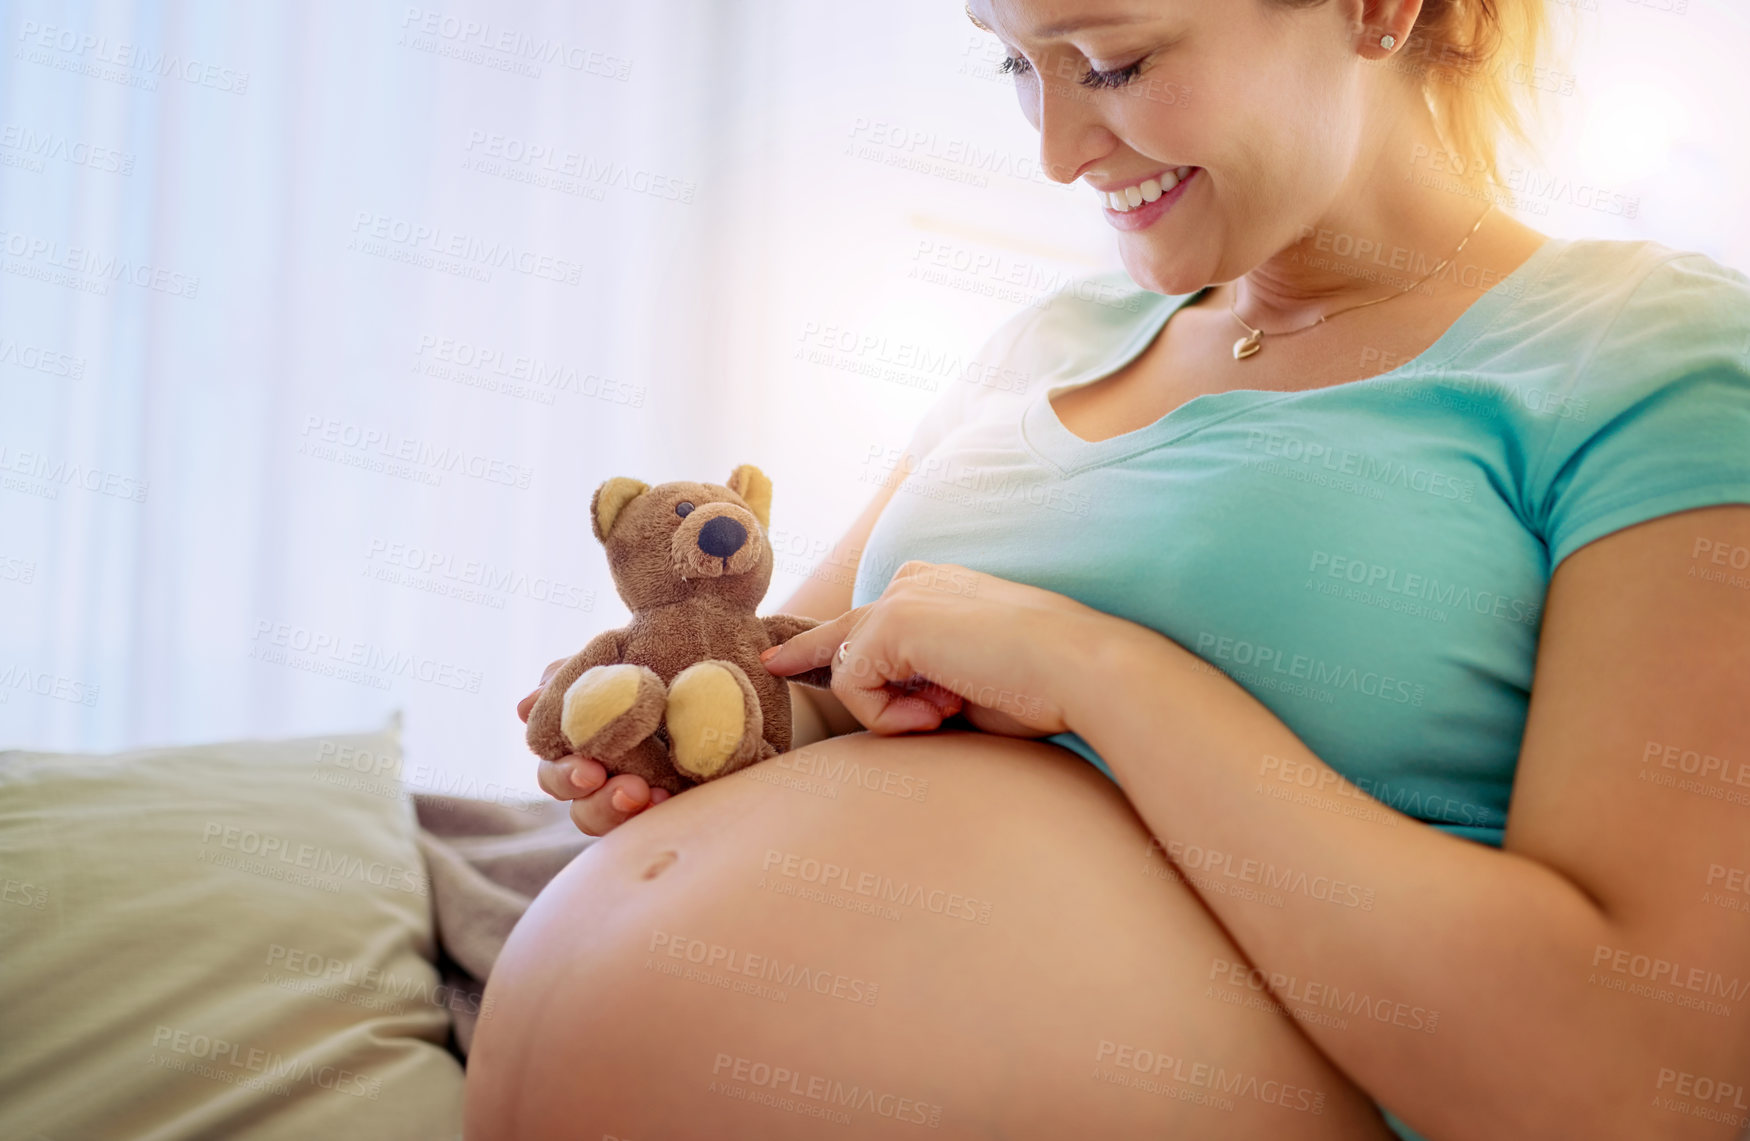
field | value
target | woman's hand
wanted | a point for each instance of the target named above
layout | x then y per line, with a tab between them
943	639
599	803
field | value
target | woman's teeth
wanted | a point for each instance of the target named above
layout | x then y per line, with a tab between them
1128	199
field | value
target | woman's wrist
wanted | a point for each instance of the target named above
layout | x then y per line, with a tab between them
1103	657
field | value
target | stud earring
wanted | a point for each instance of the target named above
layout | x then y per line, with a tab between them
1388	42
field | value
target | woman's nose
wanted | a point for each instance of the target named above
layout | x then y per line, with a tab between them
1071	131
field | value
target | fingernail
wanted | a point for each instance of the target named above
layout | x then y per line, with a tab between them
583	780
622	801
766	655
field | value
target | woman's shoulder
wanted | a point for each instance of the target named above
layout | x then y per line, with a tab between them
1086	320
1637	310
1641	273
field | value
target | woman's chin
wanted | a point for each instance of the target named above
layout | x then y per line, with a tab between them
1167	272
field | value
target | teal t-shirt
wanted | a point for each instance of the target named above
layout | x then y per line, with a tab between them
1368	559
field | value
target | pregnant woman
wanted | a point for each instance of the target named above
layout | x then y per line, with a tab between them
1338	640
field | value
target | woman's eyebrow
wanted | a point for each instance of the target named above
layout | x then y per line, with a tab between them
1053	31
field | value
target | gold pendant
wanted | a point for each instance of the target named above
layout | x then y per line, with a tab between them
1248	344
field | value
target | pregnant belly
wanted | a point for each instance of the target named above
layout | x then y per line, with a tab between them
949	935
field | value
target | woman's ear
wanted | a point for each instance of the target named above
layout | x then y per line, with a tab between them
751	484
609	500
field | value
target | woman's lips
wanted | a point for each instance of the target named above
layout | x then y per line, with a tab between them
1147	213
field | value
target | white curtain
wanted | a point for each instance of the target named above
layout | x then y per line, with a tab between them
320	322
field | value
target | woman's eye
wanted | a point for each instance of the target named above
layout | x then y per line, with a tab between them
1118	78
683	508
1014	65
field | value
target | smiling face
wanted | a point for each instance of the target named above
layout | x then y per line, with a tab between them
1231	124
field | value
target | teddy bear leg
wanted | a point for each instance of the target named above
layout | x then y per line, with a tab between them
608	710
714	721
649	759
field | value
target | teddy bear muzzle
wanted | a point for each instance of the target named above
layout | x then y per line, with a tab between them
717	539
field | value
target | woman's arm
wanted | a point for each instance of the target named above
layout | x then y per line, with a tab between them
1581	982
815	713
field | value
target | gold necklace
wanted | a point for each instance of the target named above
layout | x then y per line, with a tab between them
1253	341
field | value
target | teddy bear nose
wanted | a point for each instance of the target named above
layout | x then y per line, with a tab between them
721	537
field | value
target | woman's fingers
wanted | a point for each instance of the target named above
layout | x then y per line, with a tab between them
570	777
812	648
599	803
528	703
621	798
897	707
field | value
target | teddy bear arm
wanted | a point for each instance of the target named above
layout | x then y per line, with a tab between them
545	737
781	628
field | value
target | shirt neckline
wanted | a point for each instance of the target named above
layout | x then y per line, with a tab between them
1048	438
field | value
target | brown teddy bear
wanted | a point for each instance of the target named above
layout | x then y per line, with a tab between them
678	696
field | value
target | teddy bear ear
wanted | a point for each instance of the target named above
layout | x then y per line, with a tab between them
751	484
610	498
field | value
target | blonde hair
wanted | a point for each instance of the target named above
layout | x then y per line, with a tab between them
1479	71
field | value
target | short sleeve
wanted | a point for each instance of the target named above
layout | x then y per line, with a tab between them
1666	420
990	372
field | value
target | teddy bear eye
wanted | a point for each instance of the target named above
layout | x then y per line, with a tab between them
683	508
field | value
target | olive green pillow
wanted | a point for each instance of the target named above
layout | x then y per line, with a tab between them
229	940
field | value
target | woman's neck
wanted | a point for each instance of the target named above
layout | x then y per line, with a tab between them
1406	207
